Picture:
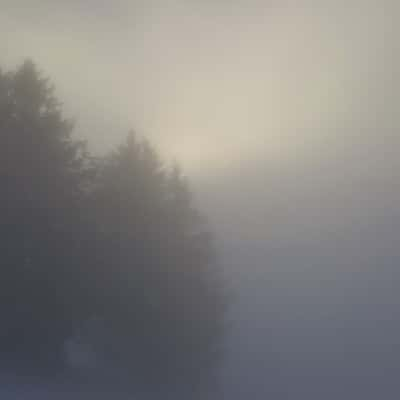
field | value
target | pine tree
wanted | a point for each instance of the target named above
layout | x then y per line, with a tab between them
109	255
42	175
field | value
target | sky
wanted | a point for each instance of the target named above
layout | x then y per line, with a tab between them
284	117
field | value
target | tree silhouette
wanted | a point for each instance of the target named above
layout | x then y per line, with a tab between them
108	255
42	173
161	303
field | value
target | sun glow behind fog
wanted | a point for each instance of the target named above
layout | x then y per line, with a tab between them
273	91
213	87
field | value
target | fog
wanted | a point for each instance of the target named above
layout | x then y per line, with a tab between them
284	117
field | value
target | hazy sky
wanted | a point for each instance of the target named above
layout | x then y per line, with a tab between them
284	116
215	83
226	88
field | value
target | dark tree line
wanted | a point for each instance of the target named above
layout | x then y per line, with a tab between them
105	256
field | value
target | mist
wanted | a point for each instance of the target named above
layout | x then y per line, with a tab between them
283	117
